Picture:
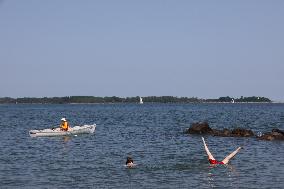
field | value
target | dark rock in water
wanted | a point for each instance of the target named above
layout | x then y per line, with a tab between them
222	133
241	132
199	128
238	132
275	134
226	132
203	128
278	131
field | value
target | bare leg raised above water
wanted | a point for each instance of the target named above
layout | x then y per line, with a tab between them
225	161
210	156
230	156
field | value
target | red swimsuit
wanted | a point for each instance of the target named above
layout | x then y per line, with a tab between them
214	161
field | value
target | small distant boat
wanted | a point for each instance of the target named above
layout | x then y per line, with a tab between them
233	101
141	100
57	132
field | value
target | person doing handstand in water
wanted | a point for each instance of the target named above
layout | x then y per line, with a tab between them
212	160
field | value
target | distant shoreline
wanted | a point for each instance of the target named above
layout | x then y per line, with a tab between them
133	100
107	103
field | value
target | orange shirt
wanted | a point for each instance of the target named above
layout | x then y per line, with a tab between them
64	126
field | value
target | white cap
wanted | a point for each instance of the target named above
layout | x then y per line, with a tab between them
63	119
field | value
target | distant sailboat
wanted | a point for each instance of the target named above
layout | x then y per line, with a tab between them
233	101
141	100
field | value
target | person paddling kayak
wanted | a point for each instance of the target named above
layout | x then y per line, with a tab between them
212	160
64	126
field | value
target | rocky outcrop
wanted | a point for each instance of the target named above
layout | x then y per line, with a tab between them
199	128
203	128
275	134
241	132
222	133
238	132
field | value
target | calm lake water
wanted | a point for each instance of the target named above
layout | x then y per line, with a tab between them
153	134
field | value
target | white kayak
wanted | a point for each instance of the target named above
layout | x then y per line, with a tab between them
57	132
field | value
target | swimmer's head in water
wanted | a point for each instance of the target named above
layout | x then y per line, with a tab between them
129	160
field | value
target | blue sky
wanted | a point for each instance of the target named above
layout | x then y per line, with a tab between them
205	49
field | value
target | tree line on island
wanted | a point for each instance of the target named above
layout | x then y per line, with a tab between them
115	99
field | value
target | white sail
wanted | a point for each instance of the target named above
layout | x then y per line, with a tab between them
233	101
141	100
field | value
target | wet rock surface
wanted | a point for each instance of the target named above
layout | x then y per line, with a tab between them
200	128
204	128
275	134
241	132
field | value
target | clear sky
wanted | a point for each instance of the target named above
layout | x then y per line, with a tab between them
123	48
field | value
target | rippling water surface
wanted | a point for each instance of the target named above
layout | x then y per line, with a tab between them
153	134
